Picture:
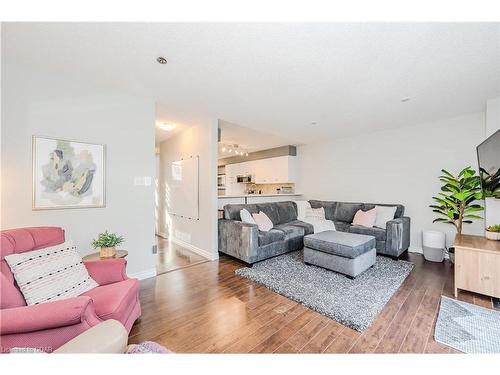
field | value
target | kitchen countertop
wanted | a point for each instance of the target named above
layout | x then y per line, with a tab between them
258	195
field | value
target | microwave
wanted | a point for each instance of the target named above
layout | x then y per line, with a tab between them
247	179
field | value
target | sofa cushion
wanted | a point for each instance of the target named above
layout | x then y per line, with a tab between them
378	233
315	213
232	211
384	214
308	228
50	274
246	217
114	301
345	211
364	218
287	211
271	210
290	231
348	245
329	207
263	222
265	238
400	210
342	226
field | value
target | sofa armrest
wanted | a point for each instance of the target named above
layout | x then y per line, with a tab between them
47	315
238	239
107	271
398	236
109	336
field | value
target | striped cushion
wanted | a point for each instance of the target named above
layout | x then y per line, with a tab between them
50	274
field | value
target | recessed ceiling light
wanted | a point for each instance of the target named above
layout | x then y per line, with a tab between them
167	126
405	99
161	60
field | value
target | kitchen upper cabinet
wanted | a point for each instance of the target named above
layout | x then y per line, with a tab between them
278	170
275	170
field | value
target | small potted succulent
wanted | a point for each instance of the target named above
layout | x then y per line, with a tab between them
107	242
493	232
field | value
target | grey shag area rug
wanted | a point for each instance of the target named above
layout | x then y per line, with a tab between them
496	303
468	328
354	303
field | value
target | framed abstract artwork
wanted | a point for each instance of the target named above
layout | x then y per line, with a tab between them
68	174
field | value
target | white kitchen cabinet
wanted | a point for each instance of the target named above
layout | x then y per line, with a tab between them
232	172
278	170
275	170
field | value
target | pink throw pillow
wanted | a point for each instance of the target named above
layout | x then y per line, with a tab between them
365	218
263	222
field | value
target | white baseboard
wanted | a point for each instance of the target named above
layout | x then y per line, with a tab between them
418	250
194	249
141	275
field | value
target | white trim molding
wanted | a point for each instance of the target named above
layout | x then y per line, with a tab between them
194	249
145	274
418	250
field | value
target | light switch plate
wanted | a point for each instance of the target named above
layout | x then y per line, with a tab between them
142	180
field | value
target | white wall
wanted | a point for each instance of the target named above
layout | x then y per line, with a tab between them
394	166
197	235
492	214
39	103
492	116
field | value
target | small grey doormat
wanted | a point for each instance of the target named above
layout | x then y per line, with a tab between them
468	328
354	303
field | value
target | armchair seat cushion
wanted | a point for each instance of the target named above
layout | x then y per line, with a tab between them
114	301
378	233
265	238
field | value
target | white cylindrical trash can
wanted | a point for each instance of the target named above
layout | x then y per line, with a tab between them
433	245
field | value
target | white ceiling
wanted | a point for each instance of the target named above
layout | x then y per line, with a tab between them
247	139
277	78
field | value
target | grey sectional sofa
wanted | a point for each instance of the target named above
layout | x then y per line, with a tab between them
247	243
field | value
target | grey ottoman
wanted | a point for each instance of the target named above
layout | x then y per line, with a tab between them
347	253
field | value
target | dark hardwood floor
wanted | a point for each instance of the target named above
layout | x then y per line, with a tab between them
206	308
172	257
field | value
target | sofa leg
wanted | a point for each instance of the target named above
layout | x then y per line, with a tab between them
350	277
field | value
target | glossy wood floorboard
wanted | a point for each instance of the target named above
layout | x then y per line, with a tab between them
206	308
172	257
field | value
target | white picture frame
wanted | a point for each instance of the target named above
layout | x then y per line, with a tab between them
68	174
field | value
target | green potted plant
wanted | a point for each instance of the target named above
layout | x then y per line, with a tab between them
455	203
493	232
107	242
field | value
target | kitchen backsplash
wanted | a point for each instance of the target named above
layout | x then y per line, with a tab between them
270	188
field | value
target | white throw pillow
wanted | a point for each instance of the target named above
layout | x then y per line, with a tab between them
50	274
315	213
246	216
302	207
384	214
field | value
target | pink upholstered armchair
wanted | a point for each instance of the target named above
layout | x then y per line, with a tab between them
49	325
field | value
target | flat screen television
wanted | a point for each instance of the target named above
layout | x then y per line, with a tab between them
488	155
